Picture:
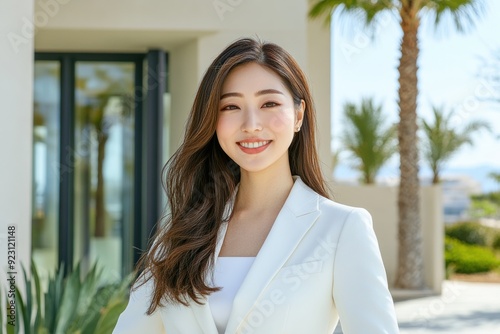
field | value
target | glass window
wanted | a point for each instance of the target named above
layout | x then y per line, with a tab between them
90	109
104	165
45	193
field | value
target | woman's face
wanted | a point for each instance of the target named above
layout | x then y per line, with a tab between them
257	118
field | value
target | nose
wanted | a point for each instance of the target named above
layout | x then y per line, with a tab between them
251	121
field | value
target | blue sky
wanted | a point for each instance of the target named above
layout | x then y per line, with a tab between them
448	76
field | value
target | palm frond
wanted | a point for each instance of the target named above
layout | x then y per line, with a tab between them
364	10
367	138
443	139
463	14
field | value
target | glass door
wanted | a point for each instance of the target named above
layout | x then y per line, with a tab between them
104	164
99	125
45	187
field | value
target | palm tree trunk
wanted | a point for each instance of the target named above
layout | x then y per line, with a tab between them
435	177
410	273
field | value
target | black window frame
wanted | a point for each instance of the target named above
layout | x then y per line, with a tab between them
150	83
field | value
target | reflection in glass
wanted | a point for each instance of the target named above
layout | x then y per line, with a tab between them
45	193
104	166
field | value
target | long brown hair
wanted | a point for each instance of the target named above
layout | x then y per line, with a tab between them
200	178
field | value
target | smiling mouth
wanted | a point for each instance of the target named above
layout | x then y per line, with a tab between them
255	144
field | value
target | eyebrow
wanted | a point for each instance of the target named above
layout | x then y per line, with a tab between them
259	93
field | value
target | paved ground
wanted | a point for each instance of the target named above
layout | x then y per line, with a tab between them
462	308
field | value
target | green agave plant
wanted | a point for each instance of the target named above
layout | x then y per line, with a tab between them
70	304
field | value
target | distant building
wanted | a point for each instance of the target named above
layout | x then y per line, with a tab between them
457	190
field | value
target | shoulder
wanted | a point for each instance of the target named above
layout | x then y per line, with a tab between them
343	212
346	222
332	214
304	200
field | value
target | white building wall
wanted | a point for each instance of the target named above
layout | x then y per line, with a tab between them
16	123
318	72
184	73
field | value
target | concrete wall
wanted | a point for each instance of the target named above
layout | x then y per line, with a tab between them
381	202
318	72
16	126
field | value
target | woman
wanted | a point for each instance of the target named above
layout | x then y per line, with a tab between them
252	243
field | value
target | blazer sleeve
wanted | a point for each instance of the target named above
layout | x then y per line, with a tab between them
360	290
134	319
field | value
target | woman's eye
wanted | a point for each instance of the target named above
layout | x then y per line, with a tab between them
229	107
270	104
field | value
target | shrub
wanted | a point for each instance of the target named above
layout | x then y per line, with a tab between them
496	242
469	233
483	208
468	259
76	304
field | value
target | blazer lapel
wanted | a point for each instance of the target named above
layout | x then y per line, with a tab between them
204	317
298	214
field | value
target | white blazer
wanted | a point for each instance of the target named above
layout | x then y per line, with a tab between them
320	261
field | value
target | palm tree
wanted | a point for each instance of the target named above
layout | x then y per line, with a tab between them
367	138
495	176
442	140
410	273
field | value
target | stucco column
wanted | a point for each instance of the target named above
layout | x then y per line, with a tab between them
16	122
318	71
183	63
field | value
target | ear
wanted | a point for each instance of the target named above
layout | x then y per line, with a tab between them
299	115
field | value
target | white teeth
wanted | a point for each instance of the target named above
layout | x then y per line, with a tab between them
254	144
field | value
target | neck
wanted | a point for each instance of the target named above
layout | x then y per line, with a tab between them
263	191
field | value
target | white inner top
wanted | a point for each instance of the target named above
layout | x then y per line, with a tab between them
229	273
